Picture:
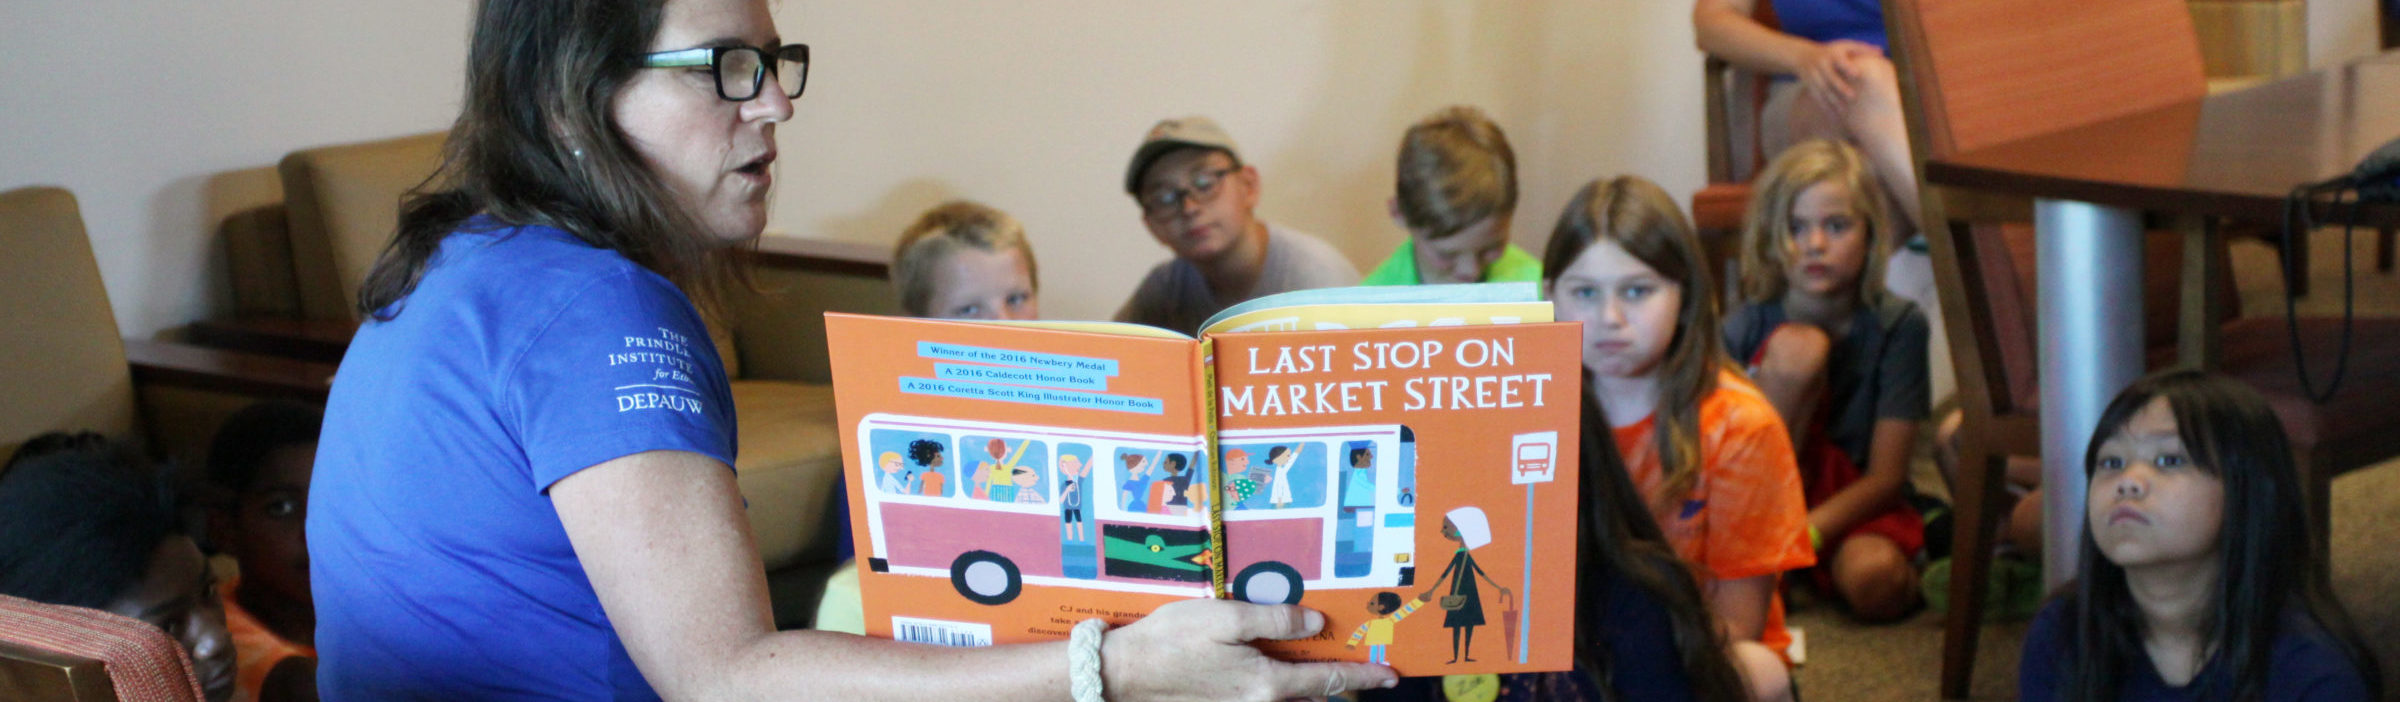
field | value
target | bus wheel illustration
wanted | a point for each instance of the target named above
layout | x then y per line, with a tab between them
984	577
1267	582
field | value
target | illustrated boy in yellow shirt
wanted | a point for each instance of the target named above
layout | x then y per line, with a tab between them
1377	632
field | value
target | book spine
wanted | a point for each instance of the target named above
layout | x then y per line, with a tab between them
1216	469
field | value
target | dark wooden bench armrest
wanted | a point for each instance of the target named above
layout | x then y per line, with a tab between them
221	370
824	256
318	340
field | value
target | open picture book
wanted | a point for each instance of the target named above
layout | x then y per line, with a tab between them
1401	459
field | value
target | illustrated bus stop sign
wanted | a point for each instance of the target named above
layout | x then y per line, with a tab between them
1535	458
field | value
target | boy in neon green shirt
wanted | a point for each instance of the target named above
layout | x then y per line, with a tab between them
1457	191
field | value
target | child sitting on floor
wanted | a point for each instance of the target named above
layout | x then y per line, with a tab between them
1843	361
1708	453
88	523
966	260
1457	192
259	464
2198	579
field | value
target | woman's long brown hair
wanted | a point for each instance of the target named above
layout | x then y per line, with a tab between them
536	144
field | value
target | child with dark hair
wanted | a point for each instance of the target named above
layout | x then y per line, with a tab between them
87	523
2198	582
1167	493
1377	633
259	463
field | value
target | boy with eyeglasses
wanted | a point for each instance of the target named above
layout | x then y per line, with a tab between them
1199	200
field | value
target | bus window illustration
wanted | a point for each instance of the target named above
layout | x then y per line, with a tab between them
1077	493
994	476
1134	485
1025	534
1408	467
1072	470
1287	474
1315	542
908	462
1354	542
1170	493
1244	484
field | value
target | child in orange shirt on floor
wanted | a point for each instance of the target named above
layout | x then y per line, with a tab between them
1707	451
259	465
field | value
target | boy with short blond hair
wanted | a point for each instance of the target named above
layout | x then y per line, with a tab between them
966	260
1457	190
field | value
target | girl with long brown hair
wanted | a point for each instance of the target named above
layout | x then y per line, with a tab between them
1707	452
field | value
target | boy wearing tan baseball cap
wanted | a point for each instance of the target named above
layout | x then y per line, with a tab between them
1199	200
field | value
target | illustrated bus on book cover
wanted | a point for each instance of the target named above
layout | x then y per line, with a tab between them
993	507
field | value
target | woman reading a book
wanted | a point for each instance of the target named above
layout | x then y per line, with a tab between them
524	488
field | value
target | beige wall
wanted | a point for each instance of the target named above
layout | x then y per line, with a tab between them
1034	107
2341	30
156	114
162	115
159	114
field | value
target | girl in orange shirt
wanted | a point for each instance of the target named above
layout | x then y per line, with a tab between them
1709	454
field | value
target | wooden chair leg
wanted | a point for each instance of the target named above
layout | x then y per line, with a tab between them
2295	266
1978	513
2383	248
2317	480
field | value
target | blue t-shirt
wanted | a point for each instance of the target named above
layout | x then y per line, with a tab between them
2306	666
1826	20
439	565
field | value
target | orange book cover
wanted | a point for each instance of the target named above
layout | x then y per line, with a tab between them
1414	484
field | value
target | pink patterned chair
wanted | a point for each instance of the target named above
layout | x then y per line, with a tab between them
71	654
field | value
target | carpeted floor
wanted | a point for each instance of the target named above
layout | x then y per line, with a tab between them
1848	661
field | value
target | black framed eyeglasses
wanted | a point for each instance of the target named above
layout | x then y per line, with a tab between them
742	70
1164	200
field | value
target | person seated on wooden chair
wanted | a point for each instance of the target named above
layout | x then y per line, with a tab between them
1833	79
85	522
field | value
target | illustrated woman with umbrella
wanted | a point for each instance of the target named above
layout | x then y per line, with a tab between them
1468	527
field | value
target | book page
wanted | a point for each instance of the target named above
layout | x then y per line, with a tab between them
1390	306
1416	485
1007	481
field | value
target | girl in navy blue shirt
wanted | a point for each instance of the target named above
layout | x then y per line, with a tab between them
2198	581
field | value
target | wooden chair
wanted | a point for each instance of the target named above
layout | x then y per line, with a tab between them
1735	98
1985	72
52	653
2247	42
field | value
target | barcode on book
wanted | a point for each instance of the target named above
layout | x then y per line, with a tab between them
941	633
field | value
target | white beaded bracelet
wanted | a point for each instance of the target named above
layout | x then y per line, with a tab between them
1083	660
